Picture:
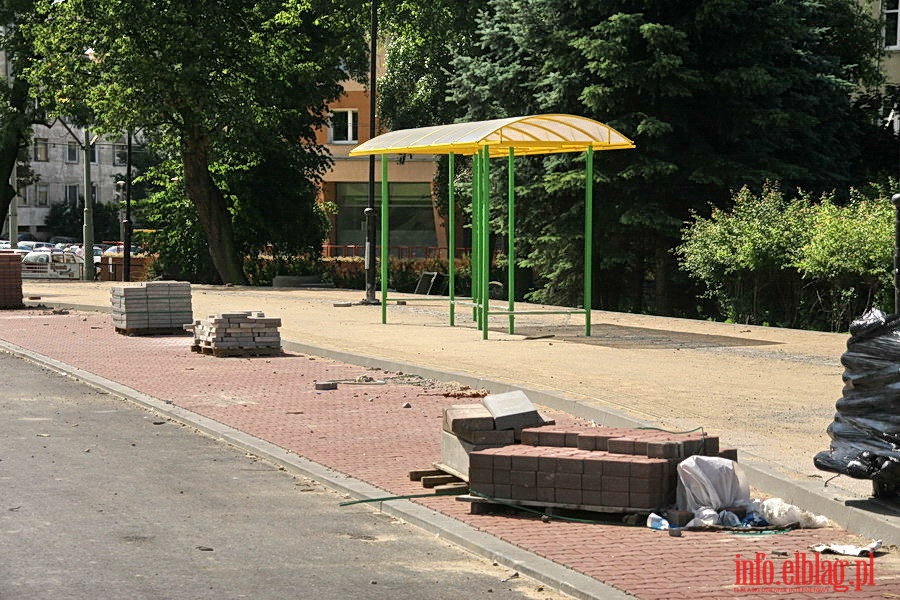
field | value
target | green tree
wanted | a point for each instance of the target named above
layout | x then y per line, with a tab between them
717	95
222	82
66	219
17	108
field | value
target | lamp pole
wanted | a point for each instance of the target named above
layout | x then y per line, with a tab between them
370	208
14	211
88	228
126	237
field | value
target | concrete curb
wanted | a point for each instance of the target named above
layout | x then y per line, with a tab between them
482	544
869	517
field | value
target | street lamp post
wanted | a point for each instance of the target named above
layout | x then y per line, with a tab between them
88	227
14	211
126	236
370	208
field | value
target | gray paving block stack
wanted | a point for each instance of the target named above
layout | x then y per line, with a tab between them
244	333
152	307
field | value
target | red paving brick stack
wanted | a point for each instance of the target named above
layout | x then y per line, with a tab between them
10	280
593	468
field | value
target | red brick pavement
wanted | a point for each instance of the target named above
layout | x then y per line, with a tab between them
363	431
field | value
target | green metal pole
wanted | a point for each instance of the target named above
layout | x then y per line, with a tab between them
511	240
474	259
588	235
451	236
384	236
486	242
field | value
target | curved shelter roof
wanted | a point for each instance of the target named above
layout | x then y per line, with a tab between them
535	134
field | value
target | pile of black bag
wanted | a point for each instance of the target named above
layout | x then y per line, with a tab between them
865	434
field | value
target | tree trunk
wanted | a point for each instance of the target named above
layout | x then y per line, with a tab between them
210	204
17	127
663	263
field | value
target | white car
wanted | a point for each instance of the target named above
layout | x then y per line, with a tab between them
44	264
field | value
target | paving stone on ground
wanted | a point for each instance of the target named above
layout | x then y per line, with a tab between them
363	430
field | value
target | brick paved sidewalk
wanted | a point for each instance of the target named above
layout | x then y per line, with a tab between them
362	430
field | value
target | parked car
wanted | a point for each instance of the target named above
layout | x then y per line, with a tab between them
119	250
52	265
61	239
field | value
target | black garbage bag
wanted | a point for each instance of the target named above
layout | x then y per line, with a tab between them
865	434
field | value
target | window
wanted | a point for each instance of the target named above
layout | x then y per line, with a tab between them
72	195
411	215
94	154
891	23
72	152
41	149
23	197
345	126
120	155
42	194
94	197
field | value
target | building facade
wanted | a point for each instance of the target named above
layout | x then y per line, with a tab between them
57	161
416	228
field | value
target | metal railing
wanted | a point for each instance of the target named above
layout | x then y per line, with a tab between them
340	250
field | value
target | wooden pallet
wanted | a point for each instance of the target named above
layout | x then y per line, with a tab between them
239	352
151	331
482	505
443	483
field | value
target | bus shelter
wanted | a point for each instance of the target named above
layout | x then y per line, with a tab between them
483	141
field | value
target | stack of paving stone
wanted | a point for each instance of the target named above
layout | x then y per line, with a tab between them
10	280
151	308
497	421
248	333
597	468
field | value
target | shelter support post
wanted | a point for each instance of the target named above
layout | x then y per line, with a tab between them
511	240
485	242
474	258
384	236
451	235
588	234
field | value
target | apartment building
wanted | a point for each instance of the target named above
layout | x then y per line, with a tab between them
57	161
416	228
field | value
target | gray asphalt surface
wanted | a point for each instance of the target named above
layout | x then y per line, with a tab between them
101	499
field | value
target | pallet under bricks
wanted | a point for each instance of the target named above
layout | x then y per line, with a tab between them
155	306
10	280
591	468
246	332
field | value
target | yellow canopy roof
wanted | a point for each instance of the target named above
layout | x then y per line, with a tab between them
536	134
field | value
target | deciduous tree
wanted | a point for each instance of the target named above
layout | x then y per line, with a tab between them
220	81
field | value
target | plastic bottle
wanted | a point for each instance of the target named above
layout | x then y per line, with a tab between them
654	521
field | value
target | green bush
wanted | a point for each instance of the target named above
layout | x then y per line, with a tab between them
403	273
794	262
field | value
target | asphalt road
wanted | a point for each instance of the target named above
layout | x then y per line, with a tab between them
102	499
